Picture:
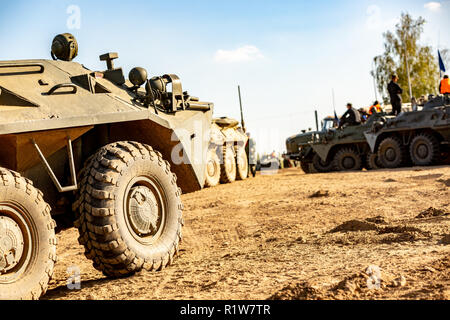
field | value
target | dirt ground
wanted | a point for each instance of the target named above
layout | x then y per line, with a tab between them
296	236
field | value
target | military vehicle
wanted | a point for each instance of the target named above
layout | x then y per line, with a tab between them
299	148
141	143
227	159
250	148
421	137
270	162
344	149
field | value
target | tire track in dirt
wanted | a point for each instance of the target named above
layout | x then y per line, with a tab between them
251	239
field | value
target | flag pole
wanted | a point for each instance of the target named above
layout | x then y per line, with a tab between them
374	82
407	67
439	61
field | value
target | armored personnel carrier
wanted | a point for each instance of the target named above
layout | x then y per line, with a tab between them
250	149
421	137
346	148
299	148
118	151
227	158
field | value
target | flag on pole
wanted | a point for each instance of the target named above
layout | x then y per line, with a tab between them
441	62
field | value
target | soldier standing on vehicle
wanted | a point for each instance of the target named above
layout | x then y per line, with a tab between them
351	117
395	93
444	86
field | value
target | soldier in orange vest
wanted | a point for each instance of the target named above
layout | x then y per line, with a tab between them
375	108
444	87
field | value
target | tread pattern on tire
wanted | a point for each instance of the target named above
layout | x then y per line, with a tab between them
305	167
342	153
224	175
319	167
9	178
403	152
94	209
209	183
371	162
239	175
435	148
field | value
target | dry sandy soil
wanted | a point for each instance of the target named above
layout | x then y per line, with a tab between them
296	236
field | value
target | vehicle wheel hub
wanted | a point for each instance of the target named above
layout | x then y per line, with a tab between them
143	212
422	151
390	154
211	167
11	244
348	162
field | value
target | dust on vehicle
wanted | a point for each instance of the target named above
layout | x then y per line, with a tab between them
118	151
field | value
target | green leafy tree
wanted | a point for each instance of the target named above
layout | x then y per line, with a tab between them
402	48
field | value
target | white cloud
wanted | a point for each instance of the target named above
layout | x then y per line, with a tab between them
242	54
433	6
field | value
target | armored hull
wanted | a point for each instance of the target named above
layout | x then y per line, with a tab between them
92	149
418	137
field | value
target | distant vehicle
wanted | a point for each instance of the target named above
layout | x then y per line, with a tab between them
252	157
299	148
227	158
418	137
346	149
270	161
231	154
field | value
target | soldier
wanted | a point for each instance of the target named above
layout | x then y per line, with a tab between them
444	86
364	114
250	148
395	93
375	108
351	117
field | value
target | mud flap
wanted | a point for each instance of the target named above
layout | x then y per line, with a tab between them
322	150
371	140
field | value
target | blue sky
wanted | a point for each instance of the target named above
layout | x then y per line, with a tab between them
286	55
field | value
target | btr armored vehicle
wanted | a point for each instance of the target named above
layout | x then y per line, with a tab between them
227	158
421	137
299	148
118	151
345	149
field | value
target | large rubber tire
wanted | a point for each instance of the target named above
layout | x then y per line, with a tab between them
392	153
320	166
372	161
27	235
212	170
347	159
127	187
306	167
241	164
228	167
424	149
